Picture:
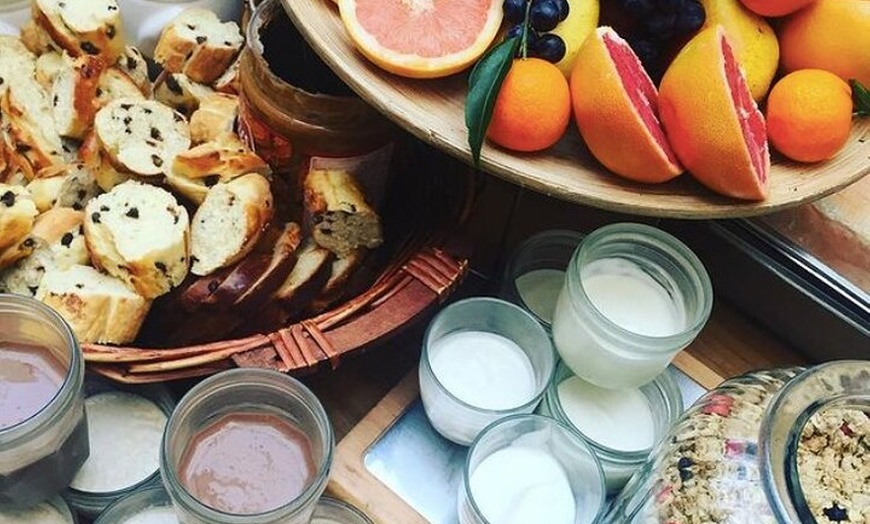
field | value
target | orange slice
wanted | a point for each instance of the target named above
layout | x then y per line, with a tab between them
711	120
422	38
616	110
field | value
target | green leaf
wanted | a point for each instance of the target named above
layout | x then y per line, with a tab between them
483	87
861	96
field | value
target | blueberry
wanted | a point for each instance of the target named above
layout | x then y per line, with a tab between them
670	6
639	7
835	513
544	15
646	50
662	25
564	9
690	18
550	47
514	10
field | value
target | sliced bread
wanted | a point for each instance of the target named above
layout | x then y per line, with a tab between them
78	188
37	39
99	308
309	274
341	220
83	27
25	276
140	234
115	84
180	93
226	158
199	45
74	95
141	136
45	190
133	64
229	222
62	230
17	214
48	66
215	118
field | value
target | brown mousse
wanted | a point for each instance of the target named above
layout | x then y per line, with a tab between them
247	463
30	376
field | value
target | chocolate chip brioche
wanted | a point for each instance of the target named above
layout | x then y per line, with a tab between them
341	219
74	96
82	27
140	234
78	188
215	118
62	231
226	158
17	214
181	93
141	136
99	308
25	276
44	191
229	222
133	64
115	84
199	45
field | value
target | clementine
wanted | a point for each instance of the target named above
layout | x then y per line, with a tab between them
809	115
533	107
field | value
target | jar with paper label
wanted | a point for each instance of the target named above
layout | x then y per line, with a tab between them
297	115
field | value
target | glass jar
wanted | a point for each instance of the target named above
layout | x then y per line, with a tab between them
482	359
258	394
138	439
533	469
634	296
744	453
53	511
40	455
535	272
144	506
334	511
297	115
665	403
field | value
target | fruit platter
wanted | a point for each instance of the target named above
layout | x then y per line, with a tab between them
765	125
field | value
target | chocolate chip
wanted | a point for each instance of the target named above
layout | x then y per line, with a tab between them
104	208
8	199
126	107
160	267
95	218
132	63
132	213
157	160
33	289
211	180
54	101
99	92
28	243
173	85
89	48
228	43
191	27
80	286
22	148
128	120
201	39
155	134
686	475
147	111
77	206
110	32
66	239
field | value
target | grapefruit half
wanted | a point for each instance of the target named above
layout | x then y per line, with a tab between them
422	38
616	110
711	120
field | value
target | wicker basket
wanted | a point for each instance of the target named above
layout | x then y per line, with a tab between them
426	259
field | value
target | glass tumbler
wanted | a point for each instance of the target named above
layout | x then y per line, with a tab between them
248	392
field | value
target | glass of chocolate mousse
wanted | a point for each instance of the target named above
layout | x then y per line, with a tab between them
43	430
247	446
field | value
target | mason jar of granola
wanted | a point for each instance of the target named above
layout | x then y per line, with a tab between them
787	446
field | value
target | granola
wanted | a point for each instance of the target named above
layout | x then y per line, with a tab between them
833	461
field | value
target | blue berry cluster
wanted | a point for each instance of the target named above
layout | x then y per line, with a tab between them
544	16
659	23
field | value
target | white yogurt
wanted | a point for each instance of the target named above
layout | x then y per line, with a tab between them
483	369
155	515
44	513
522	485
631	298
620	419
125	432
539	290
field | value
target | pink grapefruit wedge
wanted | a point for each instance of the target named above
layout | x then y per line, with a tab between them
711	120
422	38
616	110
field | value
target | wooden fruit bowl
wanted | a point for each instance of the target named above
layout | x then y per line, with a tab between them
433	110
422	262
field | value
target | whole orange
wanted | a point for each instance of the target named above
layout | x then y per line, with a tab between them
533	106
809	115
833	35
775	7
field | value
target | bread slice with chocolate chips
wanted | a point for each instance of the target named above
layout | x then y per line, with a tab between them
115	84
199	45
62	230
229	222
341	219
73	96
180	92
83	27
215	118
17	214
141	136
98	307
133	64
140	234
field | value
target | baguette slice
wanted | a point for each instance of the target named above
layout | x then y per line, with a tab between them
141	137
115	84
229	81
78	188
336	287
181	93
45	191
62	230
215	118
133	64
37	39
74	95
197	44
227	158
140	234
17	214
342	221
25	276
99	308
309	275
48	66
83	27
230	221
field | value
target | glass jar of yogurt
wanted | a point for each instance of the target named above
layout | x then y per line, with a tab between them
247	446
785	446
634	296
43	431
621	426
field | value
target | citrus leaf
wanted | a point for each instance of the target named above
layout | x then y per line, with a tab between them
484	84
862	98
